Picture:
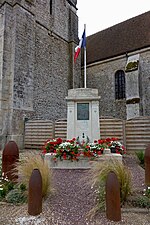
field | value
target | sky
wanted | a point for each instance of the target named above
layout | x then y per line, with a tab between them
99	15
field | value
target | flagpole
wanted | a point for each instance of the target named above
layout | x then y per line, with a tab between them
85	60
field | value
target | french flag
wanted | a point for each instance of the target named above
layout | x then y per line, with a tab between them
82	44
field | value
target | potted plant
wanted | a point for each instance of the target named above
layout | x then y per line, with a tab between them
51	145
116	147
68	150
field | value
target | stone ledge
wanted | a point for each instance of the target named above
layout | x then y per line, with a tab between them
83	163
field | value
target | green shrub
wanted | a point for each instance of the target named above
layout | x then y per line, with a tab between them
16	196
5	186
141	201
3	192
22	187
10	192
146	192
140	155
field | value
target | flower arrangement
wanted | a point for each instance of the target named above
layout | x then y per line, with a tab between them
72	149
97	148
51	145
116	147
93	149
68	150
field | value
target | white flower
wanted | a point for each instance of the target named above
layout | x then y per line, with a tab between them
65	144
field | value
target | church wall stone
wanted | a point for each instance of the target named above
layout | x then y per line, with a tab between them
102	76
51	75
61	15
24	59
36	63
42	13
145	83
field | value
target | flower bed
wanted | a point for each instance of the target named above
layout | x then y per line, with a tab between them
73	149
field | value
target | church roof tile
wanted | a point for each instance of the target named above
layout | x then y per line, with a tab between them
125	37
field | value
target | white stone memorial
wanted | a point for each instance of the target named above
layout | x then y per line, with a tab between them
83	114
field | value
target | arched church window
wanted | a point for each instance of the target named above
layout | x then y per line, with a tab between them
51	6
120	84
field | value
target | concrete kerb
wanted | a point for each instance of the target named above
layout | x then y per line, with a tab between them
135	210
83	163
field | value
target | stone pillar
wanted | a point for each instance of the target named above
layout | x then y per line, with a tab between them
132	87
83	114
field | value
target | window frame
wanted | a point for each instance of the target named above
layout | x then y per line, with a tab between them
120	89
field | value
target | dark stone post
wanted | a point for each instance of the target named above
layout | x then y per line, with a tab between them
113	208
147	165
10	156
35	193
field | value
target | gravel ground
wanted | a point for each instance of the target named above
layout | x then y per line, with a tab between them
72	201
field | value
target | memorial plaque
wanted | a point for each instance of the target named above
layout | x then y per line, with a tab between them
82	111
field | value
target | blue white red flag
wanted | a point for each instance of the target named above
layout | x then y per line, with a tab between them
82	44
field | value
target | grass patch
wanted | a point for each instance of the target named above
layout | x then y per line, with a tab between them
33	161
140	156
98	177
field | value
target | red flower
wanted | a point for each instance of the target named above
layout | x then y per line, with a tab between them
44	151
59	141
108	140
100	141
114	139
64	156
99	153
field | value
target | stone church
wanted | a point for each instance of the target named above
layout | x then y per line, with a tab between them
118	64
37	41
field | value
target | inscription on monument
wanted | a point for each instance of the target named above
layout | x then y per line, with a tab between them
82	111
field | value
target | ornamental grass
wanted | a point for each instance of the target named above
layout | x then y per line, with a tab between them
98	177
30	162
